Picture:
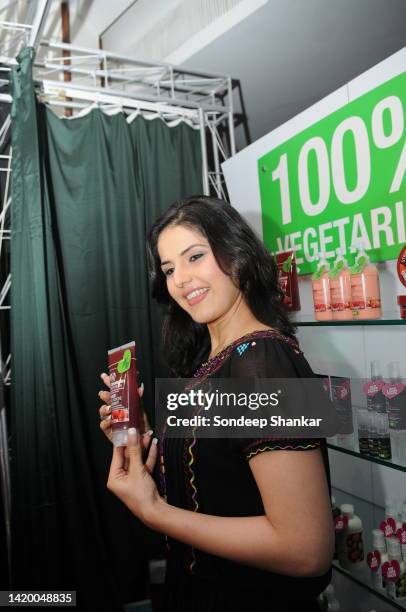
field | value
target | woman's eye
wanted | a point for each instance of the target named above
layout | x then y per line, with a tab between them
196	256
168	271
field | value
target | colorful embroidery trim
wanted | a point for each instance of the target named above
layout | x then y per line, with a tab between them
279	447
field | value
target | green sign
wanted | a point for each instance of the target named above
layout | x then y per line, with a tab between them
340	181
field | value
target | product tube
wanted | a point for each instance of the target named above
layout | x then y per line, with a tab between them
125	400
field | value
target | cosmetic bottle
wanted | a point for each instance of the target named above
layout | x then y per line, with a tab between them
125	400
403	514
394	571
336	512
376	559
351	549
340	393
391	512
321	290
376	402
379	409
362	422
401	269
401	536
365	290
395	393
340	289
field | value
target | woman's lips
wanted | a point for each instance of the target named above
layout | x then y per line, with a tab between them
197	299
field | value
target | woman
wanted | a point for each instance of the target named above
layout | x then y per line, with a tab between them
248	522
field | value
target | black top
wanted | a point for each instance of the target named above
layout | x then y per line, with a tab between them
213	476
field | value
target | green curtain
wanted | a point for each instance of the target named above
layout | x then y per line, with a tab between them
84	192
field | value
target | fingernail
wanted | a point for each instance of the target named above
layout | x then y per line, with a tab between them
155	441
103	374
148	433
133	432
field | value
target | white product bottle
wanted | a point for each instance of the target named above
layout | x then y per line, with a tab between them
333	605
403	512
379	544
396	590
395	392
391	511
351	549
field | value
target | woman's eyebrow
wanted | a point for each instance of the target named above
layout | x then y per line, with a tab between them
185	251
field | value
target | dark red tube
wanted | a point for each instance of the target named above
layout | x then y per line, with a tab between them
125	400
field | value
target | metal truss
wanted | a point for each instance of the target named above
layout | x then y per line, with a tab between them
80	79
5	277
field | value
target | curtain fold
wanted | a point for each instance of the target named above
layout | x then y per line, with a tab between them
84	192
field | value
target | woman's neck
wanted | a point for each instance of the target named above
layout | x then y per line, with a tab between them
234	324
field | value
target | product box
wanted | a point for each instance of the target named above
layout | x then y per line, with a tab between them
287	275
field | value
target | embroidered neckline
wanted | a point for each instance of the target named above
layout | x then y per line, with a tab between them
211	364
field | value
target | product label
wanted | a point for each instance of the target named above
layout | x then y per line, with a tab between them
401	535
287	276
392	390
388	527
340	292
396	405
401	267
341	397
125	407
372	387
321	295
340	523
359	299
374	560
391	570
355	547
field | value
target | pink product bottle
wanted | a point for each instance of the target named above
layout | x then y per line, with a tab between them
321	291
365	290
340	289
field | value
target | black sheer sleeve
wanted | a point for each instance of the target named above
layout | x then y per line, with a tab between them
269	358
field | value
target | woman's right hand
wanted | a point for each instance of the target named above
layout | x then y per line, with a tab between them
105	413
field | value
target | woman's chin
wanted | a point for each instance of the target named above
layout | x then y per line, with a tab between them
204	318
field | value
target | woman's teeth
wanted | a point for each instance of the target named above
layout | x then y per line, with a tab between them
195	293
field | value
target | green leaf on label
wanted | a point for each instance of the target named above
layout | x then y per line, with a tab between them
362	260
356	269
340	265
335	272
287	264
125	363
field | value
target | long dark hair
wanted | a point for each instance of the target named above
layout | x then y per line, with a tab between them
239	253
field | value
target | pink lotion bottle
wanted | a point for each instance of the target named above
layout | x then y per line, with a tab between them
340	289
365	290
321	290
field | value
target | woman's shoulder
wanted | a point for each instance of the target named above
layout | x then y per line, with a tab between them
268	353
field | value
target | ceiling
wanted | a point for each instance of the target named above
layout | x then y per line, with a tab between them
291	53
287	54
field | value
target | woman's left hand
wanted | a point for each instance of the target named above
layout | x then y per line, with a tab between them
133	484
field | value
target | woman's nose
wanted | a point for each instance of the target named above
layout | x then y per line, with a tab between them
181	277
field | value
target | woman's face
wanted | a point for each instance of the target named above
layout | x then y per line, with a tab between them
193	277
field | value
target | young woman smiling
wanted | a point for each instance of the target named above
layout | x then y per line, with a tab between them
248	521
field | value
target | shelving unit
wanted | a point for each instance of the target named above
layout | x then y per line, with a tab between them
389	318
365	585
355	453
351	478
